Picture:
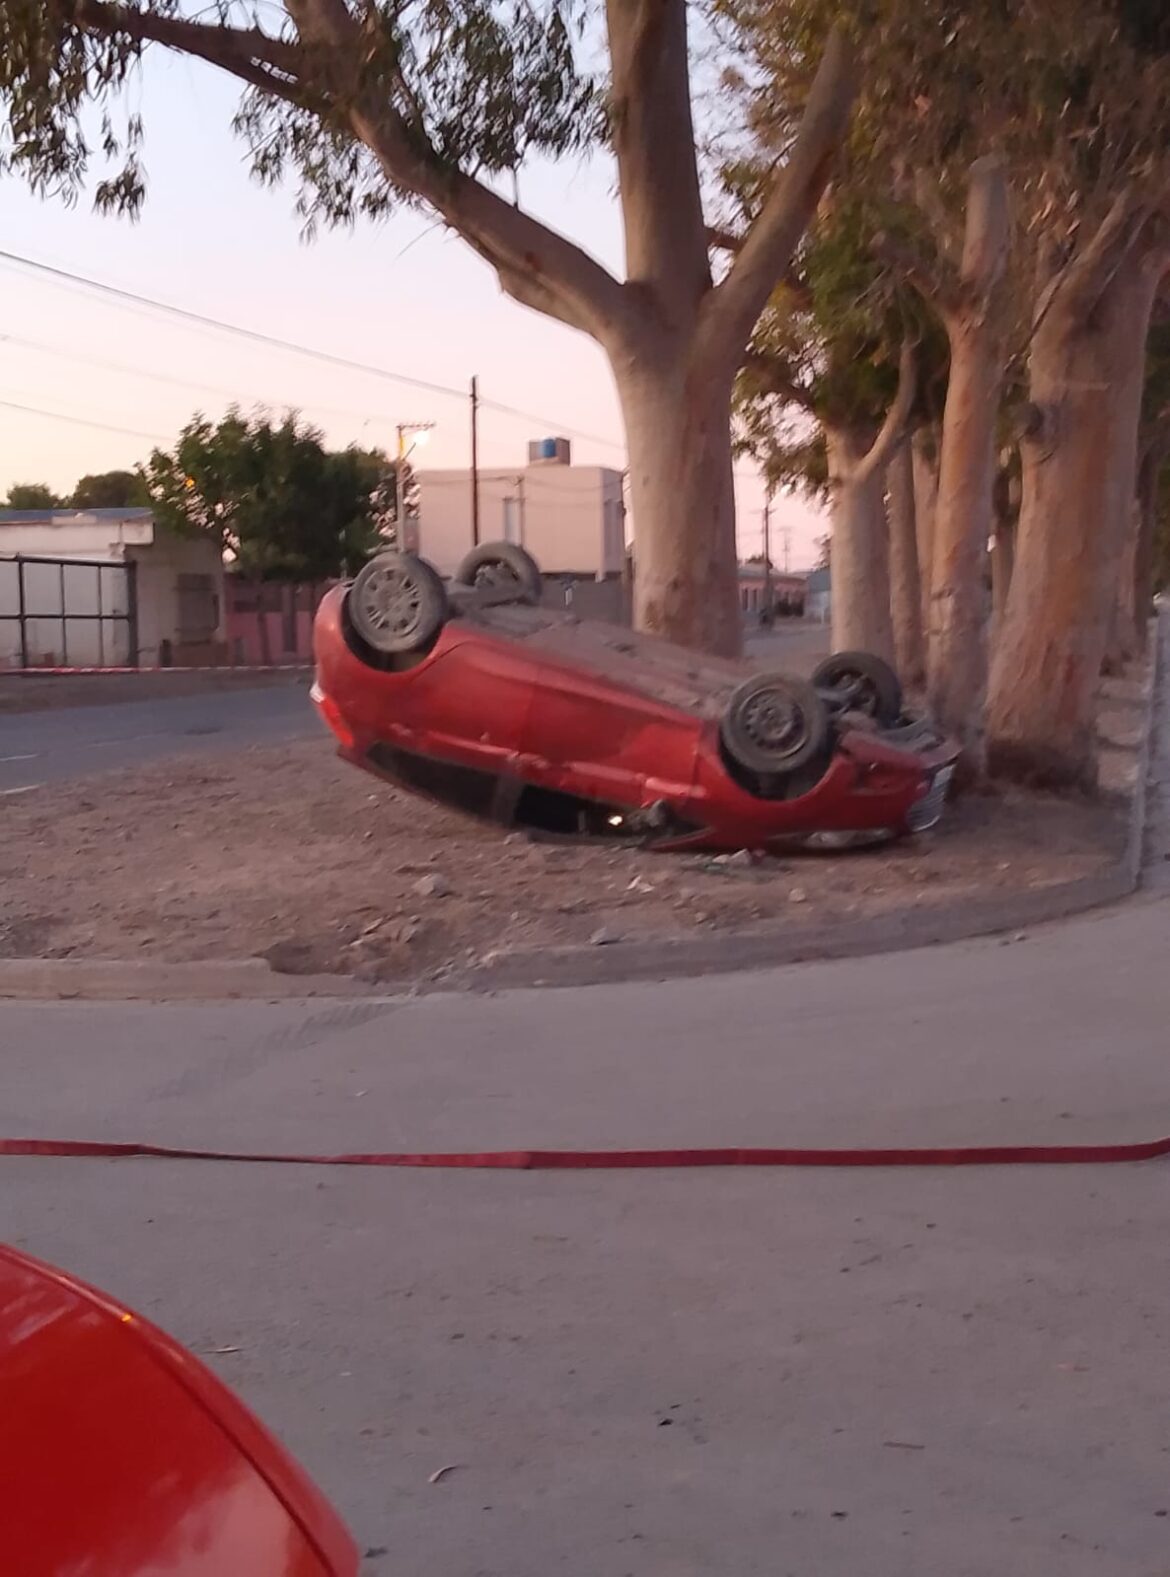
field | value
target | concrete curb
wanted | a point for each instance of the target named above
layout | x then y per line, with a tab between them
119	980
761	947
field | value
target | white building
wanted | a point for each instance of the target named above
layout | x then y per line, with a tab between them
106	587
571	518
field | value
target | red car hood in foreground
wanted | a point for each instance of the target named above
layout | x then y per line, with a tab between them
122	1456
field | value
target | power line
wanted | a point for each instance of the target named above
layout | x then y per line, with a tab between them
215	323
184	383
83	421
545	421
273	342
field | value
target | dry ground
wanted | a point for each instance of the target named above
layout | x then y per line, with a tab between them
287	853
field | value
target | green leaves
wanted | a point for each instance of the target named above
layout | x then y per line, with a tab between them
110	490
476	86
280	504
52	71
31	495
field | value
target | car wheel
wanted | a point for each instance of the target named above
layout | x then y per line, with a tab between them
503	565
397	603
860	682
775	725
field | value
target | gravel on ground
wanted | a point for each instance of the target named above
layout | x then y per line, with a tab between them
285	852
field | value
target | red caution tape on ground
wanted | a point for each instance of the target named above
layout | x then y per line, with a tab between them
618	1160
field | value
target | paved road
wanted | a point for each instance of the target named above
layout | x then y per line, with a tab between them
820	1374
46	747
53	745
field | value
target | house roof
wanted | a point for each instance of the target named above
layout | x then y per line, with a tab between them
48	517
749	572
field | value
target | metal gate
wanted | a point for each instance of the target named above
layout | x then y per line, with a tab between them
67	613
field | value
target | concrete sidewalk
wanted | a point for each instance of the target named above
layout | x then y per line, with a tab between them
1059	1038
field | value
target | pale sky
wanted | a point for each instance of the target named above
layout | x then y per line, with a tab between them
404	295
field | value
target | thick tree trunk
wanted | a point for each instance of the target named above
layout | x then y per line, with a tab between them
957	631
861	554
924	451
1143	568
1003	558
905	581
685	571
1079	458
957	627
1124	639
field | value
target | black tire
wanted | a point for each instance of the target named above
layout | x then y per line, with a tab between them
860	682
500	564
397	603
774	726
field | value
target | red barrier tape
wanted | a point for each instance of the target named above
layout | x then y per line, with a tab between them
203	668
619	1160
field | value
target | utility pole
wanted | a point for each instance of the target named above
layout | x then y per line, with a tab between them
475	462
768	553
420	431
399	460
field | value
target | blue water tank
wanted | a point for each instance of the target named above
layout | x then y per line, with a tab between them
548	448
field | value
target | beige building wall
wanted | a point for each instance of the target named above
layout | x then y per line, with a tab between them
570	518
76	533
180	598
179	583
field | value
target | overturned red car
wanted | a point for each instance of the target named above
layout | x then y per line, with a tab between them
474	694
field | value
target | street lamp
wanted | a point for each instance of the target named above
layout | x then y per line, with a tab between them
420	432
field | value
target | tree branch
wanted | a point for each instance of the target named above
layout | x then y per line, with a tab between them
532	259
723	240
934	278
536	265
985	235
928	200
772	378
249	53
730	312
893	429
653	135
1075	289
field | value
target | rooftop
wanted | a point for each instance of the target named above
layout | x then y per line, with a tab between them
49	517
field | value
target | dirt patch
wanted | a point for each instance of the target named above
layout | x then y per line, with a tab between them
52	692
287	853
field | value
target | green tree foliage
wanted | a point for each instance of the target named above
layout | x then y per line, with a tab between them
826	351
468	85
31	495
282	507
110	490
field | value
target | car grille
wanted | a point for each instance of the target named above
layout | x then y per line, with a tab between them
927	812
